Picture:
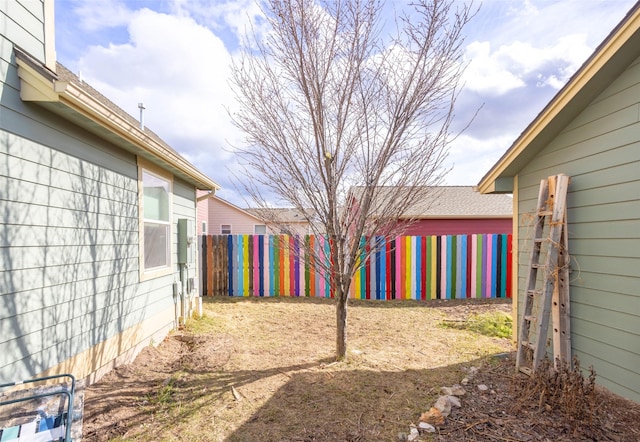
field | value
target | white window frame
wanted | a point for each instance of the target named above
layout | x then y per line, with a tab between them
222	229
154	272
204	227
255	226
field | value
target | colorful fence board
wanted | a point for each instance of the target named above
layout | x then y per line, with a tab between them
403	267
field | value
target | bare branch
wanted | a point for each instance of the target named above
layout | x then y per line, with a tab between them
348	117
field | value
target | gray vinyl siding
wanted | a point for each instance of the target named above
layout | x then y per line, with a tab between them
600	151
23	23
69	233
184	206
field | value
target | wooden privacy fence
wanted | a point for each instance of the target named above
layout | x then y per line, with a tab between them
404	267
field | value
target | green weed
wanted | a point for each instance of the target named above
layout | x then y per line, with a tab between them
164	397
494	324
205	324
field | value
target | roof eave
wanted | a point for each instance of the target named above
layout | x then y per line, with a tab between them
40	85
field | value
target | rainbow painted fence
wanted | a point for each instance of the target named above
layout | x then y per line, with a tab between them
404	267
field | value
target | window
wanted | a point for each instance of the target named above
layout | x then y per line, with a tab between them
260	229
204	227
156	220
225	229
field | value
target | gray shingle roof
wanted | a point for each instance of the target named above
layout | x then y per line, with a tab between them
455	202
283	215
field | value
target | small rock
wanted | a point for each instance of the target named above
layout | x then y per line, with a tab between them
356	352
454	401
413	434
433	417
236	395
446	391
483	388
444	405
458	390
464	381
501	356
427	428
402	437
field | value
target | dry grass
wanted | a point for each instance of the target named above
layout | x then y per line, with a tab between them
263	370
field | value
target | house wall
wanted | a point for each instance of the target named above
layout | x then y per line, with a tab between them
22	21
458	226
202	213
221	213
71	298
600	151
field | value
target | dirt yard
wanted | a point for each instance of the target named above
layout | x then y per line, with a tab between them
264	370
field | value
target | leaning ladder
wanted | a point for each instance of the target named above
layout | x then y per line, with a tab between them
552	299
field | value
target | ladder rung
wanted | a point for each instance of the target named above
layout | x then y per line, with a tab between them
538	266
530	345
545	212
529	318
534	292
539	240
526	370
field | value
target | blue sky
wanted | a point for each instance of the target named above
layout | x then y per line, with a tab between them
173	55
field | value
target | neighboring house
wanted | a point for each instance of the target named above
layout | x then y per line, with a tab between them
221	217
287	221
454	210
90	205
590	131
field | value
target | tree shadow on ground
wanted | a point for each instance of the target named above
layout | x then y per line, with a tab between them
347	405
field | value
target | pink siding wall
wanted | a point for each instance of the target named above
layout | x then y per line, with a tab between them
221	213
457	226
216	213
202	213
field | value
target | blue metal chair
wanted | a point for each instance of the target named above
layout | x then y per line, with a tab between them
42	428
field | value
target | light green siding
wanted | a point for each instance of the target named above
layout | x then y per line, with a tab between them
69	226
600	151
22	22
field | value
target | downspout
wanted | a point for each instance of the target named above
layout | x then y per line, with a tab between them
176	296
198	274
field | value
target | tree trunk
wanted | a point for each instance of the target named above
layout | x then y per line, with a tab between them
341	333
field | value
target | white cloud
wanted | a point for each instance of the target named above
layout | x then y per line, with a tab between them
470	158
234	18
176	59
486	73
520	64
100	14
179	69
241	15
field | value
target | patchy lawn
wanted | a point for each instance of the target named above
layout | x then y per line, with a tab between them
263	370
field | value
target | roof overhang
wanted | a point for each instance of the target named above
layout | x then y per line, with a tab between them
65	98
618	50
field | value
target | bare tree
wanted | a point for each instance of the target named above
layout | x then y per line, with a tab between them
339	106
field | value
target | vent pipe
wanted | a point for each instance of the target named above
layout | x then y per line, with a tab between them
142	108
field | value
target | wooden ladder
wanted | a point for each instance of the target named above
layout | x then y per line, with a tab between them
553	297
